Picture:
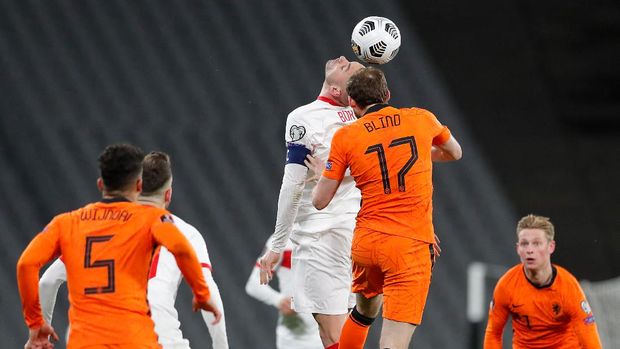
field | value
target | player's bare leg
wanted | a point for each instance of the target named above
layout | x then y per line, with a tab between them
396	334
330	327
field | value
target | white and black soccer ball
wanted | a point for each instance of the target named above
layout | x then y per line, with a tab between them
375	40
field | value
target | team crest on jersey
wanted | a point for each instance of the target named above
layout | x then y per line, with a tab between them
585	307
557	309
166	219
297	133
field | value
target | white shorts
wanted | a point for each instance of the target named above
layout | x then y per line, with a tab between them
321	269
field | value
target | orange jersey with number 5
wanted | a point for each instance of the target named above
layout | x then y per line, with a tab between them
107	248
389	153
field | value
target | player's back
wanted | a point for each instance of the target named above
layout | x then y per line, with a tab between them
107	248
389	152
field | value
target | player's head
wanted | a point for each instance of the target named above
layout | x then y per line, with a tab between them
120	171
157	177
367	87
535	241
337	72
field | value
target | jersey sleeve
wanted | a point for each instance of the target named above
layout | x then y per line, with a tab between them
219	338
498	315
41	250
55	275
441	134
202	253
582	318
337	163
167	234
299	130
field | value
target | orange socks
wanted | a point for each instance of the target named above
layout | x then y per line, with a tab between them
355	331
333	346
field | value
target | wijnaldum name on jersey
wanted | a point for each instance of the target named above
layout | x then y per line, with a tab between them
98	214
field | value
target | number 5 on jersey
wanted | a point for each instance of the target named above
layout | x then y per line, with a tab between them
103	263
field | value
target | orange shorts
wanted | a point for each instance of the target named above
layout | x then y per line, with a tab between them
400	268
123	346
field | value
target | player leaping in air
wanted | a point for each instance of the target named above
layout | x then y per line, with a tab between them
322	240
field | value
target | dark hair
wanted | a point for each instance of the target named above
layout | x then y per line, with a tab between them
156	172
368	86
119	165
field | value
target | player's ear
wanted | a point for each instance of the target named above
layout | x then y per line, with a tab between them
100	184
389	95
335	91
168	196
551	246
139	185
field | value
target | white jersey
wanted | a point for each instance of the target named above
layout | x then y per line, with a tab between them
322	239
313	126
164	280
299	331
163	284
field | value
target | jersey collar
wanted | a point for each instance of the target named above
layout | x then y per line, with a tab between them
554	273
328	100
375	108
112	200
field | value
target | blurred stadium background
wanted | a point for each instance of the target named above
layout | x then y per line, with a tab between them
529	87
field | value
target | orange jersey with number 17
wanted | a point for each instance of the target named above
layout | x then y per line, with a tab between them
389	153
107	248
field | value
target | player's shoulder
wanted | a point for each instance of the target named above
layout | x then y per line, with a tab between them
565	276
187	229
511	276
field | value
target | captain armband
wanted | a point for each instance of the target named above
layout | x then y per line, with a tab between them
296	153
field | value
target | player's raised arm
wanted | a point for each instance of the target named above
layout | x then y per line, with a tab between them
168	235
448	151
333	172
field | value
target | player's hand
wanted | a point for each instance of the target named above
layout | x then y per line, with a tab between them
285	306
39	338
267	262
436	247
316	166
207	306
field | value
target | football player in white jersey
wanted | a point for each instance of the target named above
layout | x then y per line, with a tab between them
321	239
294	330
164	276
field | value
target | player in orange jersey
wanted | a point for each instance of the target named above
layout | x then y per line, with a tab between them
107	248
389	152
546	303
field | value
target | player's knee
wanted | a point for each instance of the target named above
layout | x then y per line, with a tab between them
360	318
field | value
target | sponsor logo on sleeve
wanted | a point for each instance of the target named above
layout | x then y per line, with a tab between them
589	320
328	165
585	307
492	304
297	133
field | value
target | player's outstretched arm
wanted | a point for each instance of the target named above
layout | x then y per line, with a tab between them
448	151
50	282
498	315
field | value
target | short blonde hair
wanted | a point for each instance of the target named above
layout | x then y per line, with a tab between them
532	221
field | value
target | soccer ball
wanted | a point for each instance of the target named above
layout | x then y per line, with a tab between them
375	40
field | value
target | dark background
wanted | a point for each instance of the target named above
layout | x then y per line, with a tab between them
530	89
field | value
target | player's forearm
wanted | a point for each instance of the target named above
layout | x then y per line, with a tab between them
186	259
263	293
218	334
289	200
493	336
49	284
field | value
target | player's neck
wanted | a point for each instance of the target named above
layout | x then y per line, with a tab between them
155	201
540	277
130	196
